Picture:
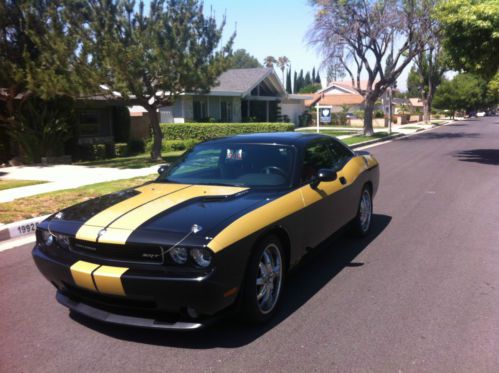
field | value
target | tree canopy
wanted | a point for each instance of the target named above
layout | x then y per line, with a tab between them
379	37
465	92
241	59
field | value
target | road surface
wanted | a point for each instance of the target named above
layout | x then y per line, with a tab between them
421	294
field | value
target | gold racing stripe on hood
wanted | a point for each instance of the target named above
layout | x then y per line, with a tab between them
284	206
119	231
91	228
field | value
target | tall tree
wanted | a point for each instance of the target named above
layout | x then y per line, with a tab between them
241	59
295	82
308	79
313	75
269	61
289	88
470	36
430	69
367	31
282	63
464	92
152	57
38	69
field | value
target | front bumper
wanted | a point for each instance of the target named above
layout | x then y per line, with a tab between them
151	298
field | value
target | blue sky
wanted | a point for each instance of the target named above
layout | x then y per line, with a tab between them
273	27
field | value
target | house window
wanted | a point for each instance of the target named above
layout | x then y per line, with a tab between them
90	124
200	110
226	111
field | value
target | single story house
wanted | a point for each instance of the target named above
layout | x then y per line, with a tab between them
337	95
242	95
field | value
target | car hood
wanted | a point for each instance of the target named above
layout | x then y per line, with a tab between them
159	213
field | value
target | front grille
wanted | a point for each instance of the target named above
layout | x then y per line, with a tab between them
126	253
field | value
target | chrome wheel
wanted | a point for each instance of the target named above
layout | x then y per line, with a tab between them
269	278
365	211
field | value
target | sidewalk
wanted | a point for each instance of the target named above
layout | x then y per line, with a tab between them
62	177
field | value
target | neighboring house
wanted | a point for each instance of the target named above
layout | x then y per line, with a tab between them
337	95
253	94
416	103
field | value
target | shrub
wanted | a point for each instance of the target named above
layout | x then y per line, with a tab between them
206	131
359	114
173	145
121	149
379	114
136	146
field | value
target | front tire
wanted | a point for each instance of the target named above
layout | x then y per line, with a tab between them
361	225
264	280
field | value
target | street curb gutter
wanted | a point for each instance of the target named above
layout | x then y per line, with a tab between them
370	142
20	228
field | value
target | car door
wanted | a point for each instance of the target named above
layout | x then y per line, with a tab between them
324	208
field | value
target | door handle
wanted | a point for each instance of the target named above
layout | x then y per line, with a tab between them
343	181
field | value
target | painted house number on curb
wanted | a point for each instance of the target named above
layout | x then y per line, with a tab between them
26	229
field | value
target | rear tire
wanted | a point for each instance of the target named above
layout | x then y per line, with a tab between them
264	280
361	225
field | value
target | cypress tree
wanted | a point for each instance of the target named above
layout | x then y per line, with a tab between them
295	83
288	81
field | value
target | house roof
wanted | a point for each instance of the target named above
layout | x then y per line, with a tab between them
240	82
335	100
416	102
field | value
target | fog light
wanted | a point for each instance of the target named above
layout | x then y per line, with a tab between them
192	313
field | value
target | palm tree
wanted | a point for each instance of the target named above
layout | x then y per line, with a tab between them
282	63
269	61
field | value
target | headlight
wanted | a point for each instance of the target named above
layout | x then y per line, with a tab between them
201	256
47	238
179	255
62	240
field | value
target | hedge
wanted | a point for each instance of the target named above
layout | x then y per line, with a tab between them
206	131
173	145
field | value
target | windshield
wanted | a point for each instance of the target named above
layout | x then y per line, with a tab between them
252	165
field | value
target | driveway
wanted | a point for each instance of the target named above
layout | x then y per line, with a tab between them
420	294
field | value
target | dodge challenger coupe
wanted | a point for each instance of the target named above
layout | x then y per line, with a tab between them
215	233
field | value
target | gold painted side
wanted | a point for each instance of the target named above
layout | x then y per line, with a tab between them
350	172
108	280
91	228
258	219
119	231
82	274
284	206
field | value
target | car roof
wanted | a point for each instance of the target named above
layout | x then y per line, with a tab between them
283	138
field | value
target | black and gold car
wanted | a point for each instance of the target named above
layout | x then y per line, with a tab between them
216	232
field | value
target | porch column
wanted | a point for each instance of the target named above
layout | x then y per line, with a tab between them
267	110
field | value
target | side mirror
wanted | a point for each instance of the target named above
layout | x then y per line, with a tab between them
324	174
162	169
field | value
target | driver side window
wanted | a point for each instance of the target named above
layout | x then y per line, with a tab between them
317	156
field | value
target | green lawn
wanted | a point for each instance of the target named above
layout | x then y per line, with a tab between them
137	161
9	184
333	132
48	203
357	139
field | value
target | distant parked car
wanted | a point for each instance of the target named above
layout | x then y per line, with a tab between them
480	114
351	116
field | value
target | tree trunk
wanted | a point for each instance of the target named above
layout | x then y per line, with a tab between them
368	116
426	111
156	133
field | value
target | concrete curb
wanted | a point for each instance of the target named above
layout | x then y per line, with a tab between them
20	228
370	142
397	136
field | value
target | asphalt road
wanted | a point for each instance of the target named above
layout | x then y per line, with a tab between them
421	294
